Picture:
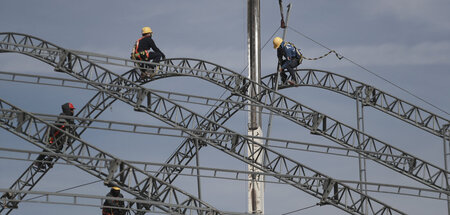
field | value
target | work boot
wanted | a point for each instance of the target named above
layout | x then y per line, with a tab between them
49	163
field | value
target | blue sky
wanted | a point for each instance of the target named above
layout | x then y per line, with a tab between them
405	41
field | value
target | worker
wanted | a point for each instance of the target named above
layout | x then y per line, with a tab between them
292	58
56	139
114	192
141	51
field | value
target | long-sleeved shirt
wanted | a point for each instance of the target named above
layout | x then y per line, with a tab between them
147	43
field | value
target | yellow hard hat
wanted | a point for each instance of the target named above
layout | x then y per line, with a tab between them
146	30
115	188
277	42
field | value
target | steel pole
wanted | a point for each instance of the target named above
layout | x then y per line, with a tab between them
255	186
361	160
197	159
446	153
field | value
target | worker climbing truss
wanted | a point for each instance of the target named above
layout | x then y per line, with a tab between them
113	87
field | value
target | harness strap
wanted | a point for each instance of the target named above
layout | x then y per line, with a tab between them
139	54
55	134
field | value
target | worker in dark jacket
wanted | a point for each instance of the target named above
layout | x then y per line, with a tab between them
115	192
141	51
56	138
292	58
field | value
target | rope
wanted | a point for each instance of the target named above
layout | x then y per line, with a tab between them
300	209
367	70
317	58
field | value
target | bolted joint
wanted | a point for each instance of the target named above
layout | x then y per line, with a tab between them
317	119
63	55
445	131
234	142
140	96
370	96
327	187
412	164
8	204
112	169
21	119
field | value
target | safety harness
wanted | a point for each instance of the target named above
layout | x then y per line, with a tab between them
316	58
52	138
142	55
298	52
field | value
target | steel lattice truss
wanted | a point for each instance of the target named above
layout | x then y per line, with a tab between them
372	96
112	87
142	185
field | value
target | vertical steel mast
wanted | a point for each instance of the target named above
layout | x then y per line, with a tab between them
255	184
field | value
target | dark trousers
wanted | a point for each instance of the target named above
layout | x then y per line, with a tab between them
291	65
155	57
48	160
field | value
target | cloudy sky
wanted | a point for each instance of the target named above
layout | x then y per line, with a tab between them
405	41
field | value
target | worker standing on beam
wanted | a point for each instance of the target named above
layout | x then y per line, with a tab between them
292	58
56	138
141	51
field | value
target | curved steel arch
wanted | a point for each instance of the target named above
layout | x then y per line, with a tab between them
101	101
373	97
142	184
342	134
166	110
337	132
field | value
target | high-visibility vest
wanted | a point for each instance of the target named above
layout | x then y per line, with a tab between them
142	55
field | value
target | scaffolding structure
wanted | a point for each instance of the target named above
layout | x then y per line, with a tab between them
154	191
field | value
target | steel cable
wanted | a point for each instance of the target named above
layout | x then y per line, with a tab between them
367	70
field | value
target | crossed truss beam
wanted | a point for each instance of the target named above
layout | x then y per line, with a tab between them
87	201
141	185
238	175
128	127
86	85
372	96
411	166
166	111
174	96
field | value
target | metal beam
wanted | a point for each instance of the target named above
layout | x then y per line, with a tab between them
141	184
166	110
87	201
385	102
238	175
371	96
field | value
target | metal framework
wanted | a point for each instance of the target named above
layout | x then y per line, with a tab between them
109	125
371	96
140	184
166	110
238	175
87	200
